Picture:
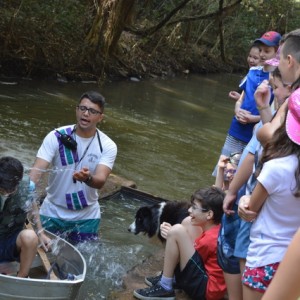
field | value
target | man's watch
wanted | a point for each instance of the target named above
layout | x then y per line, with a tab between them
88	180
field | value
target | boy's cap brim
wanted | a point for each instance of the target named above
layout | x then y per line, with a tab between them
266	42
270	38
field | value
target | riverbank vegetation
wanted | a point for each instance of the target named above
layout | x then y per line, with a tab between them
112	39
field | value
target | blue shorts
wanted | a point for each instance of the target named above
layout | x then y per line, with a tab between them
242	240
226	243
72	231
8	248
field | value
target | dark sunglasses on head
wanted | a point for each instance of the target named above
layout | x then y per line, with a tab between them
234	158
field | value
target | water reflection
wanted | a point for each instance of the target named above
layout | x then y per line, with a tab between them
169	132
169	135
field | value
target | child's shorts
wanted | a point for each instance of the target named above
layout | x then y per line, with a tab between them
226	243
230	265
242	240
193	278
259	278
8	248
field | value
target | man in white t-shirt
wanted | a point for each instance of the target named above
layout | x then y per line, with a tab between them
82	158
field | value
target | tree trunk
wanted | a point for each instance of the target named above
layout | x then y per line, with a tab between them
111	18
220	25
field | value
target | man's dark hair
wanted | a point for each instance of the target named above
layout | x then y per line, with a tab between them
11	173
94	97
211	198
291	46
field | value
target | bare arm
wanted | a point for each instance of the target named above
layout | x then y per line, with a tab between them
37	169
240	178
164	229
242	115
219	182
239	102
96	180
265	133
246	117
258	197
234	95
250	206
285	284
34	216
262	97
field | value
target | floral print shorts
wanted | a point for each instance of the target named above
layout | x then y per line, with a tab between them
259	278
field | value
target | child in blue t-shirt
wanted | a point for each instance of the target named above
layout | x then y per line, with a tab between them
253	60
246	111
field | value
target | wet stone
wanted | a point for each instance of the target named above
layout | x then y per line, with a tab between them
134	279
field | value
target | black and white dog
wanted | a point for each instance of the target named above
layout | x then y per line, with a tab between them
148	218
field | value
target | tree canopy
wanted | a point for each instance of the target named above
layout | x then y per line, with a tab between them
89	39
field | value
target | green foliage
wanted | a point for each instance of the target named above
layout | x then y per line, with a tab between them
256	17
44	33
48	37
245	23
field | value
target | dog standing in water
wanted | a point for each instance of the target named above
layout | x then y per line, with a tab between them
148	218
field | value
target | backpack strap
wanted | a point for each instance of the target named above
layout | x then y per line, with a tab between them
99	141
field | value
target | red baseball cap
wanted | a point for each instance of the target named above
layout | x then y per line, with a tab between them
270	38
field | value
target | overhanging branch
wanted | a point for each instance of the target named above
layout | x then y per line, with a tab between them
151	30
146	32
225	12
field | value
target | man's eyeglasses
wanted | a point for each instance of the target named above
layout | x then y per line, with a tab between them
90	110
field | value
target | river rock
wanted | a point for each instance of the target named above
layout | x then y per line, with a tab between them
114	184
134	279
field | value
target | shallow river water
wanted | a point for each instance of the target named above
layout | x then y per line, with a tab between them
169	135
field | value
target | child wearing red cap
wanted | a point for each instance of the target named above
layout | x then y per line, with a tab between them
237	137
246	111
274	204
